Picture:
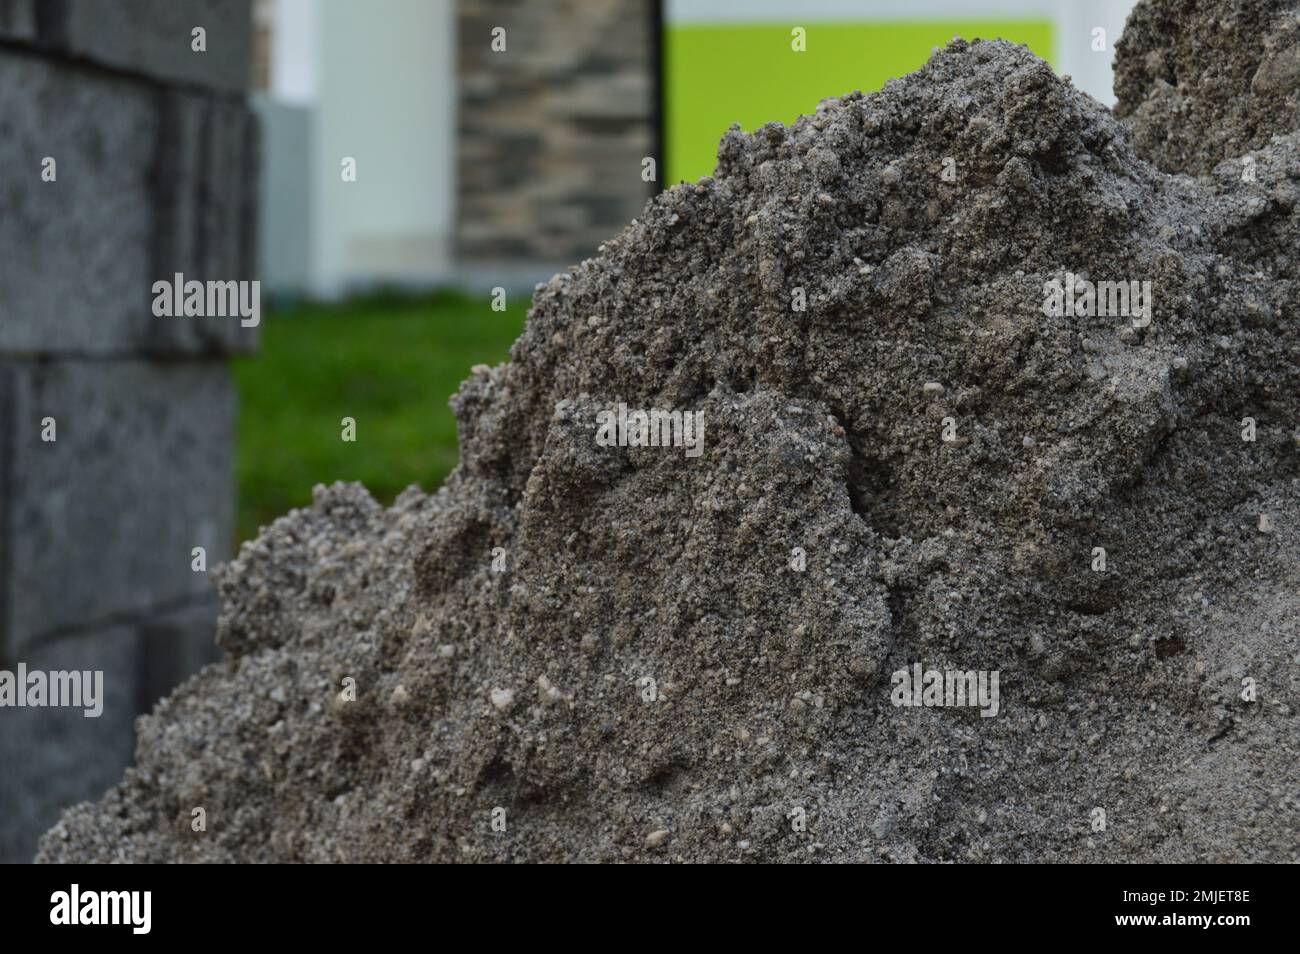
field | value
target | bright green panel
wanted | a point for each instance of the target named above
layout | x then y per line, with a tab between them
716	75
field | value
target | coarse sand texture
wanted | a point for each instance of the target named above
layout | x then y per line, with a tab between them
636	654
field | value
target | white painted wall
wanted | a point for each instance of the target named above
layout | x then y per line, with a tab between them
294	61
284	215
378	79
387	97
1090	71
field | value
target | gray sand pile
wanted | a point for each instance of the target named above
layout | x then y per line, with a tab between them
1201	81
768	732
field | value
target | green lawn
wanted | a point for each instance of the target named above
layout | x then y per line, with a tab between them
390	363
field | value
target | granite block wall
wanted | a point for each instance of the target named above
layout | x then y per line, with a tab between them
154	171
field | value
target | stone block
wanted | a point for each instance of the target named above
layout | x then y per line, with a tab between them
156	38
99	524
78	251
147	184
207	173
18	20
174	646
56	757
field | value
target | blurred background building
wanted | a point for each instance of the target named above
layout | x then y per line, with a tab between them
481	167
475	167
494	142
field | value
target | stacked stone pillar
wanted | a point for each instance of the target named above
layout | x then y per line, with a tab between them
152	151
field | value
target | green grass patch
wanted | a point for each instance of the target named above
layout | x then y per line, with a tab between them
390	363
